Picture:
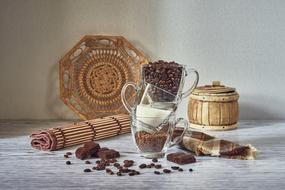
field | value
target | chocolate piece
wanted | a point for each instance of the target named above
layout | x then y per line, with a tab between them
108	154
181	158
92	148
81	153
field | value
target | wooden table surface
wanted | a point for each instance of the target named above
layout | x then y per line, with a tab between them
22	167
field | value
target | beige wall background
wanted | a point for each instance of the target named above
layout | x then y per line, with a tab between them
241	43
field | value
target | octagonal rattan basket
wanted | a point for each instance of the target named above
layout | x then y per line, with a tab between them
93	73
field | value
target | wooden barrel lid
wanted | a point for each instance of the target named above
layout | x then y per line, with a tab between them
214	92
215	88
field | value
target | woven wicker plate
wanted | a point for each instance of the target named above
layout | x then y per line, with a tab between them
93	73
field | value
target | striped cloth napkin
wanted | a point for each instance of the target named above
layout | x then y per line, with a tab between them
205	145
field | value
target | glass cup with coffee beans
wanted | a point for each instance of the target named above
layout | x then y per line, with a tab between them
153	135
170	77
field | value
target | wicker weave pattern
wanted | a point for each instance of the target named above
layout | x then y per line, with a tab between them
93	73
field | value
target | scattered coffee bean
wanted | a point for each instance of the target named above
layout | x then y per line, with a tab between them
137	172
68	162
154	160
152	164
157	166
120	167
113	160
87	170
129	164
142	166
108	170
174	167
166	171
97	162
119	174
190	170
132	174
68	153
87	162
65	156
116	164
148	166
125	170
101	167
94	168
156	172
180	169
111	173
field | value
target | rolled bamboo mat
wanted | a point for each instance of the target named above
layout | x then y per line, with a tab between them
81	132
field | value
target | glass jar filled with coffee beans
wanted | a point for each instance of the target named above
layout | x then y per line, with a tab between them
170	78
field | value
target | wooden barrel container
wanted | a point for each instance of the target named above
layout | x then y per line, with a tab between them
213	107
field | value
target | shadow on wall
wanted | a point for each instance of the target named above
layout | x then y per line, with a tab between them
259	110
55	107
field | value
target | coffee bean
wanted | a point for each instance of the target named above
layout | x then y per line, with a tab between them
152	164
111	173
68	153
68	162
129	164
148	166
137	172
87	170
157	166
180	169
94	168
190	170
116	164
97	162
101	167
174	167
142	166
154	160
166	171
132	174
65	156
119	174
108	170
87	162
113	160
156	172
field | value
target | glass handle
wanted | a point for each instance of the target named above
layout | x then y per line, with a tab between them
185	126
188	92
123	95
